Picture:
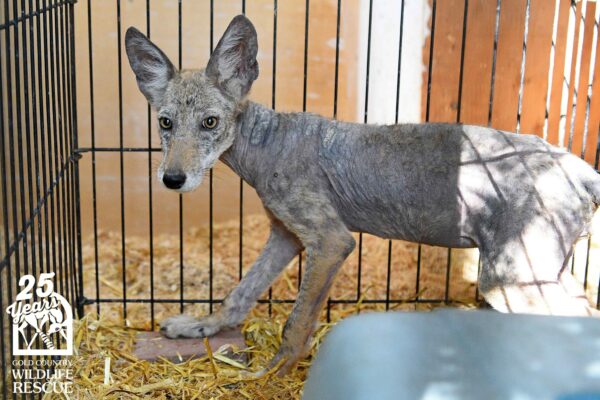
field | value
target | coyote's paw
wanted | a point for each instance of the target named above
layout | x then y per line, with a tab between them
185	326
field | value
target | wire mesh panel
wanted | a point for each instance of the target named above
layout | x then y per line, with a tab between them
486	63
39	193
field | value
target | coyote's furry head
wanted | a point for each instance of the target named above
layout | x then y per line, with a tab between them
197	109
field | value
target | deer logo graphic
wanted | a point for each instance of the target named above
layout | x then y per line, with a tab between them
42	323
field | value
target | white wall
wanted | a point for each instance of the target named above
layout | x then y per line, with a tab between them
385	36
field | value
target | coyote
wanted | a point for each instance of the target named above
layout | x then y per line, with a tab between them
521	201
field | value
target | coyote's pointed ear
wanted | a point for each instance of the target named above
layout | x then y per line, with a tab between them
233	63
152	68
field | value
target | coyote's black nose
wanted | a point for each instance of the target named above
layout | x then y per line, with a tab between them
174	180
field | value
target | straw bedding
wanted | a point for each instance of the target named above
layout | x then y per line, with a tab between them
109	337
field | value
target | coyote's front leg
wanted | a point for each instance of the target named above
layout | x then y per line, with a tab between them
279	250
328	243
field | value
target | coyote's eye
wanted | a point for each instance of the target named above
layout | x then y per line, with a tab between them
210	122
165	123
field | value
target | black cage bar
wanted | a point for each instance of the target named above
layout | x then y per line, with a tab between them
39	154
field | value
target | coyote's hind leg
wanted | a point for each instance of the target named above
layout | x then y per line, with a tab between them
527	275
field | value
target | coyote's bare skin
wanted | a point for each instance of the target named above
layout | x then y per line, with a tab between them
522	202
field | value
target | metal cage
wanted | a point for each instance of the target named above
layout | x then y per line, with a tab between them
38	158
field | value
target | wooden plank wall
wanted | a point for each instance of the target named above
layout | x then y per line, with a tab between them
537	63
581	123
443	101
582	86
478	62
533	69
505	103
594	122
558	71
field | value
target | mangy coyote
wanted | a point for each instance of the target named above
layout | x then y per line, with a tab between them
522	202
